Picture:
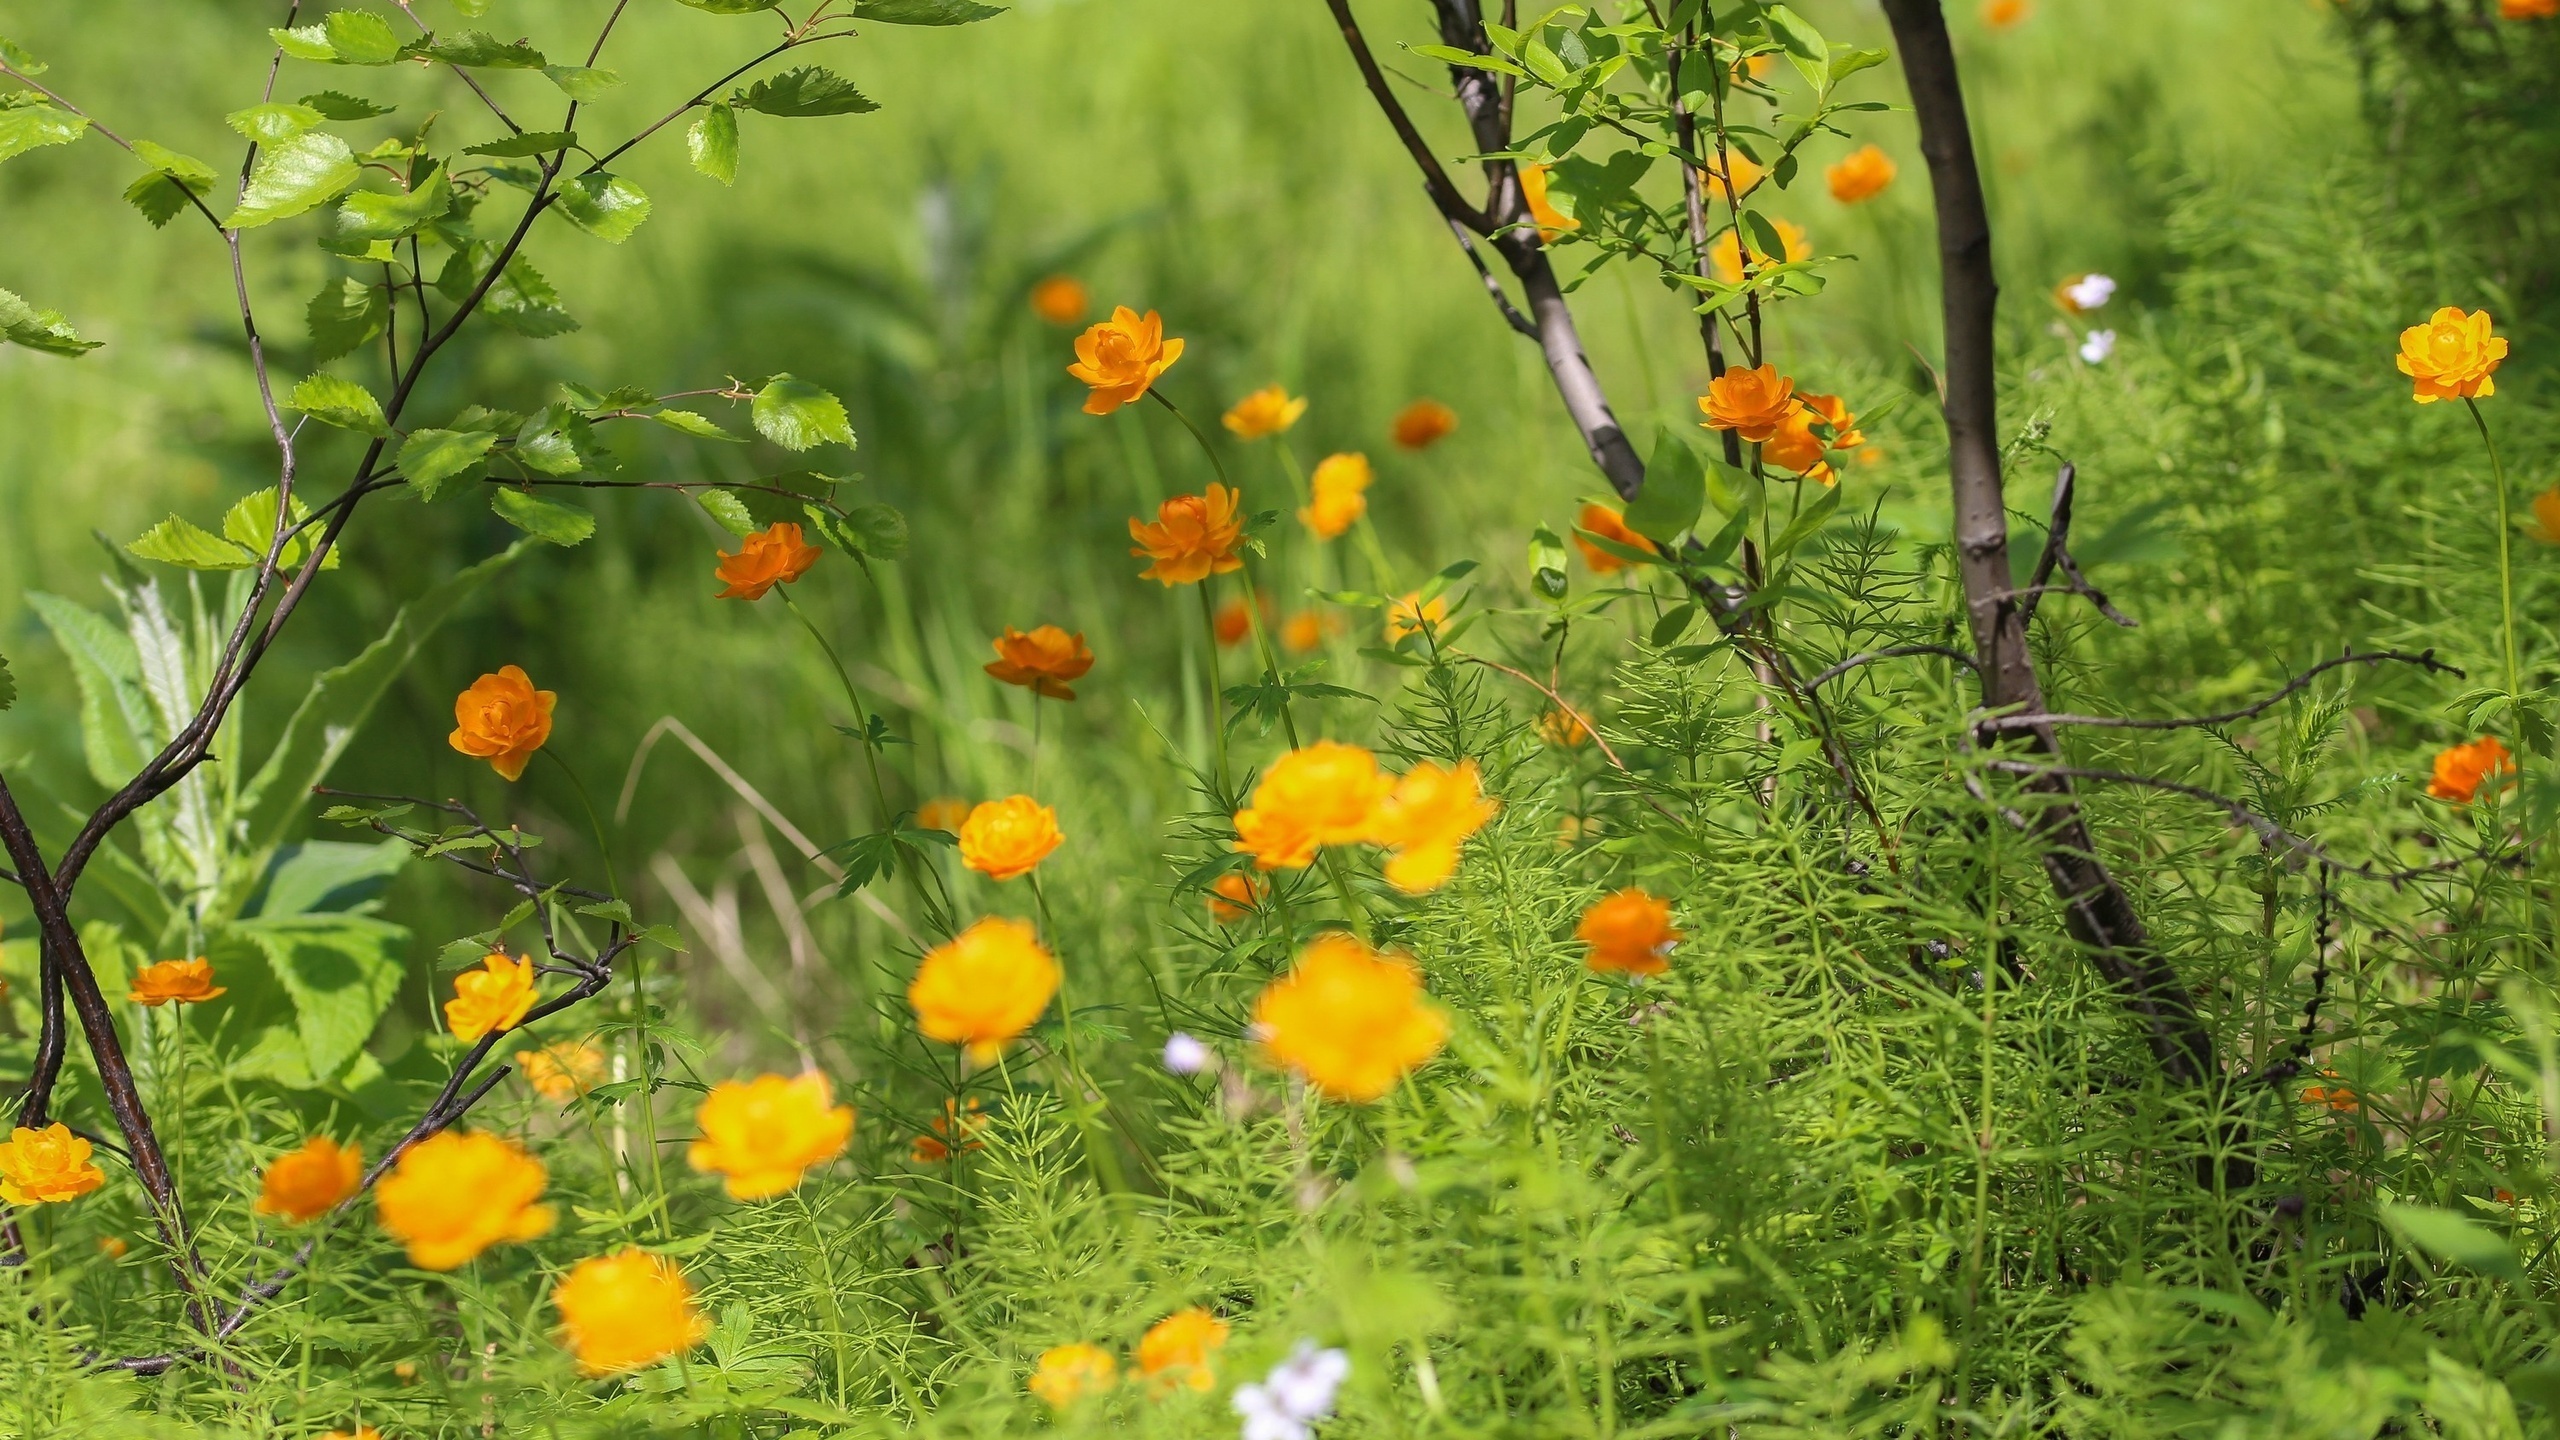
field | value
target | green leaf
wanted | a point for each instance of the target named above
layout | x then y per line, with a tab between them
2456	1238
1674	623
373	215
45	330
305	42
190	546
725	507
306	171
713	143
810	90
1675	490
8	682
1846	62
531	142
524	302
1624	551
876	530
273	124
342	971
797	415
33	127
562	525
251	522
1803	43
1452	55
604	205
582	83
360	37
1809	520
118	726
338	105
480	50
342	403
698	426
345	315
158	197
170	184
428	458
166	161
559	441
19	60
785	497
733	7
924	12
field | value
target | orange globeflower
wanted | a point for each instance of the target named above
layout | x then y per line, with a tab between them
1061	300
1432	811
775	555
1798	446
956	1122
621	1312
1752	403
1338	482
983	987
1423	424
1407	614
1628	932
562	1071
1350	1020
1233	622
180	982
1325	794
1563	729
946	813
1743	170
361	1432
1552	223
456	1193
502	719
1005	838
1726	252
1232	897
1042	661
1193	537
763	1135
2001	14
41	1167
1264	413
492	998
1308	629
1608	524
1121	357
2452	356
305	1184
2463	768
2528	9
1068	1373
1861	175
2338	1097
1175	1351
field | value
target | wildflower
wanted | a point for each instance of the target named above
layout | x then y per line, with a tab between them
1608	524
175	982
620	1312
1410	613
1552	223
1745	172
562	1071
1338	482
763	1135
1193	537
1726	252
1232	897
1233	622
1629	932
1297	1393
2001	14
2336	1097
2452	356
2528	9
1005	838
39	1167
1068	1373
1752	403
1563	729
1185	1055
307	1183
361	1432
2083	293
2097	346
1432	811
955	1123
1423	424
490	999
1121	357
1800	447
1264	413
1308	629
1757	66
1325	794
775	555
945	813
1861	175
983	987
456	1193
1176	1350
1042	661
2463	768
502	719
1061	300
2546	508
1350	1020
112	1246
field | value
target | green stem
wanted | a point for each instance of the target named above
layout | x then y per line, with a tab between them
1270	655
595	825
884	816
1351	900
1097	1145
2506	566
1217	696
1205	447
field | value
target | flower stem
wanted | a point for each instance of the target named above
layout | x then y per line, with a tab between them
885	817
1351	901
1205	447
2506	565
1217	696
595	825
1270	655
1097	1144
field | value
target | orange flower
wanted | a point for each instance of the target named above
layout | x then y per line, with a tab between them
361	1432
1423	424
179	982
112	1246
1410	613
1726	252
1350	1020
1121	357
2001	14
955	1122
2452	356
946	813
1754	404
1264	413
2546	506
562	1071
305	1184
1308	629
1325	794
1061	300
1552	223
775	555
490	999
1005	838
2337	1097
1563	730
2463	768
1068	1373
1746	172
1193	537
1608	524
1432	811
1232	897
502	719
2528	9
456	1193
1861	175
983	987
1176	1350
1798	446
40	1167
1338	483
621	1312
1042	661
1233	622
1629	932
764	1135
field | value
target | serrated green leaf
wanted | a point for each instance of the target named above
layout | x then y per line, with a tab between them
306	171
531	142
548	520
604	205
181	542
524	302
728	510
343	403
477	49
172	164
344	316
305	42
809	90
697	426
251	522
429	458
876	530
371	215
35	126
170	186
582	83
732	7
924	12
45	330
338	105
273	124
361	37
8	682
713	143
797	415
158	197
19	60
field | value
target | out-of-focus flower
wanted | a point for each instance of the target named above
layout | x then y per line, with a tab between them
2097	346
2546	507
1327	793
1407	614
1423	424
1553	224
1297	1393
1175	1351
1745	171
1608	524
2462	769
983	987
1424	821
1563	729
2336	1096
1308	629
306	1183
955	1125
1339	484
1043	660
113	1246
1264	413
1757	67
502	719
2081	294
775	555
1232	897
1068	1373
175	982
1121	357
1233	622
1753	404
1061	300
457	1192
762	1136
946	813
1861	175
1185	1055
2001	14
1006	838
2452	356
1726	253
1350	1020
1629	932
1192	537
361	1432
491	998
2528	9
562	1070
621	1312
43	1167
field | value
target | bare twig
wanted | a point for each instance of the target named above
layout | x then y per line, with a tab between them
2425	659
1894	652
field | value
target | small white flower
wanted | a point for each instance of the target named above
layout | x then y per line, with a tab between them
2099	345
1184	1055
1304	1383
2091	291
1263	1417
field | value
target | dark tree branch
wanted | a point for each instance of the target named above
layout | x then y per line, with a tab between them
2426	660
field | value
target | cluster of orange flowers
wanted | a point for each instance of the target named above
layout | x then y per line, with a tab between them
1177	1353
1794	429
1330	793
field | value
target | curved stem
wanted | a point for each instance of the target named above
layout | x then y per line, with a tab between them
1205	447
2506	563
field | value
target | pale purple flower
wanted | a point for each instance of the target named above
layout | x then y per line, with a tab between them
1297	1393
2091	291
2099	345
1184	1055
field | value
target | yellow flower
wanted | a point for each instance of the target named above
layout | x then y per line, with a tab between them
1068	1373
490	999
1861	175
1042	661
1432	811
1264	413
307	1183
361	1432
178	982
1005	838
946	813
1176	1350
39	1167
502	719
1552	223
2001	14
2462	769
1192	538
2528	9
563	1070
1423	424
1308	629
1746	172
1061	300
1325	794
1339	503
1232	897
620	1312
1752	403
775	555
763	1135
1121	357
1563	729
1726	252
2452	356
456	1193
1409	613
956	1122
1608	524
1348	1019
983	987
1629	932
